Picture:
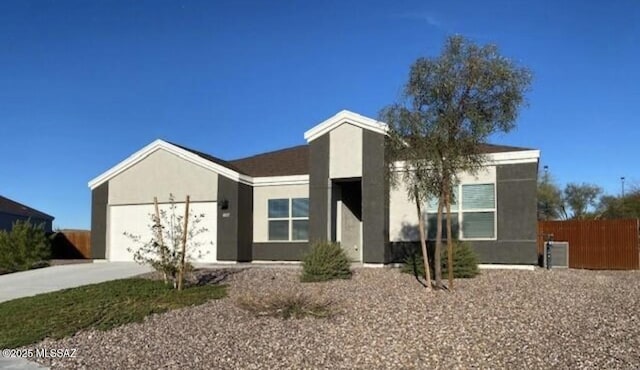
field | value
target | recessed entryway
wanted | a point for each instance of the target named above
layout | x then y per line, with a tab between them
346	219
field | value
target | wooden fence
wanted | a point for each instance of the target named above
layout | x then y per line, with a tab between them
596	244
72	244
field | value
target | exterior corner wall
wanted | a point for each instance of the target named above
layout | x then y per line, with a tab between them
517	201
516	188
319	189
517	216
375	209
99	217
228	220
245	223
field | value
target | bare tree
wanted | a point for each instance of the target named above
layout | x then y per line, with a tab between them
171	246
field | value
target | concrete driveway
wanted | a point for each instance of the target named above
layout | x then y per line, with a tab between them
49	279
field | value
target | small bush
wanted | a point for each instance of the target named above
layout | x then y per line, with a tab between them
325	261
465	262
24	247
286	304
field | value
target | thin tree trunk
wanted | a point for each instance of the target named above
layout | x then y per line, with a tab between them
163	252
449	237
437	260
184	244
423	241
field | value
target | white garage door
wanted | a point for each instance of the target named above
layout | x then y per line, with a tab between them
136	220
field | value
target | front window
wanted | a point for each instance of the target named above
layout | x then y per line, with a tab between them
473	215
288	219
478	211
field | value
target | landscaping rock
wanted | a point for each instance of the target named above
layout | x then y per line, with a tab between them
500	319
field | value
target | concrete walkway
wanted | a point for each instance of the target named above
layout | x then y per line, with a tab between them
49	279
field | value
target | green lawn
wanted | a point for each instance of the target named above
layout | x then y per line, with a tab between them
102	306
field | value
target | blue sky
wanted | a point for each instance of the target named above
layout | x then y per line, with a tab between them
84	84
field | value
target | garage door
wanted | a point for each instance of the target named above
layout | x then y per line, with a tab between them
136	220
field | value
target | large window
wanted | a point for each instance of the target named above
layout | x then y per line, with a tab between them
478	211
473	215
288	219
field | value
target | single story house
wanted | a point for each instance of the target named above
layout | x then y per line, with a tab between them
270	206
12	211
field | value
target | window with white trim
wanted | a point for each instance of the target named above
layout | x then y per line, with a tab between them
478	211
288	219
473	215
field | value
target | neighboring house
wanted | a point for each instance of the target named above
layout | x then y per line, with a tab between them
12	211
269	206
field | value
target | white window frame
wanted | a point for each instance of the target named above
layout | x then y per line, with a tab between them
289	219
460	213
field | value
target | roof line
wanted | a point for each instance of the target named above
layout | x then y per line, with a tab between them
270	152
26	208
136	157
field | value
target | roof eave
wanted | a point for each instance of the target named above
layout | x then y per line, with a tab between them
182	153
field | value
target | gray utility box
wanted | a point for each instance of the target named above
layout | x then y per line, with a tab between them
559	254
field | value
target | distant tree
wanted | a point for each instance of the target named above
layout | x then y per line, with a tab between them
611	207
579	197
550	201
453	103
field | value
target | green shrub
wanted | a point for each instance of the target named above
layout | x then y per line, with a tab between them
325	261
465	262
24	247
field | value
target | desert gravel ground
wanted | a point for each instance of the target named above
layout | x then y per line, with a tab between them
501	319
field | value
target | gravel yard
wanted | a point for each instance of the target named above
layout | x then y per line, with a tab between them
501	319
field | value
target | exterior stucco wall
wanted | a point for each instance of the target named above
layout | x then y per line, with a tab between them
234	225
245	222
516	186
345	153
261	196
99	217
516	216
375	210
160	174
279	251
319	189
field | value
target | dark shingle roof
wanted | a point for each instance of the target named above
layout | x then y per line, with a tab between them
295	160
283	162
14	208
